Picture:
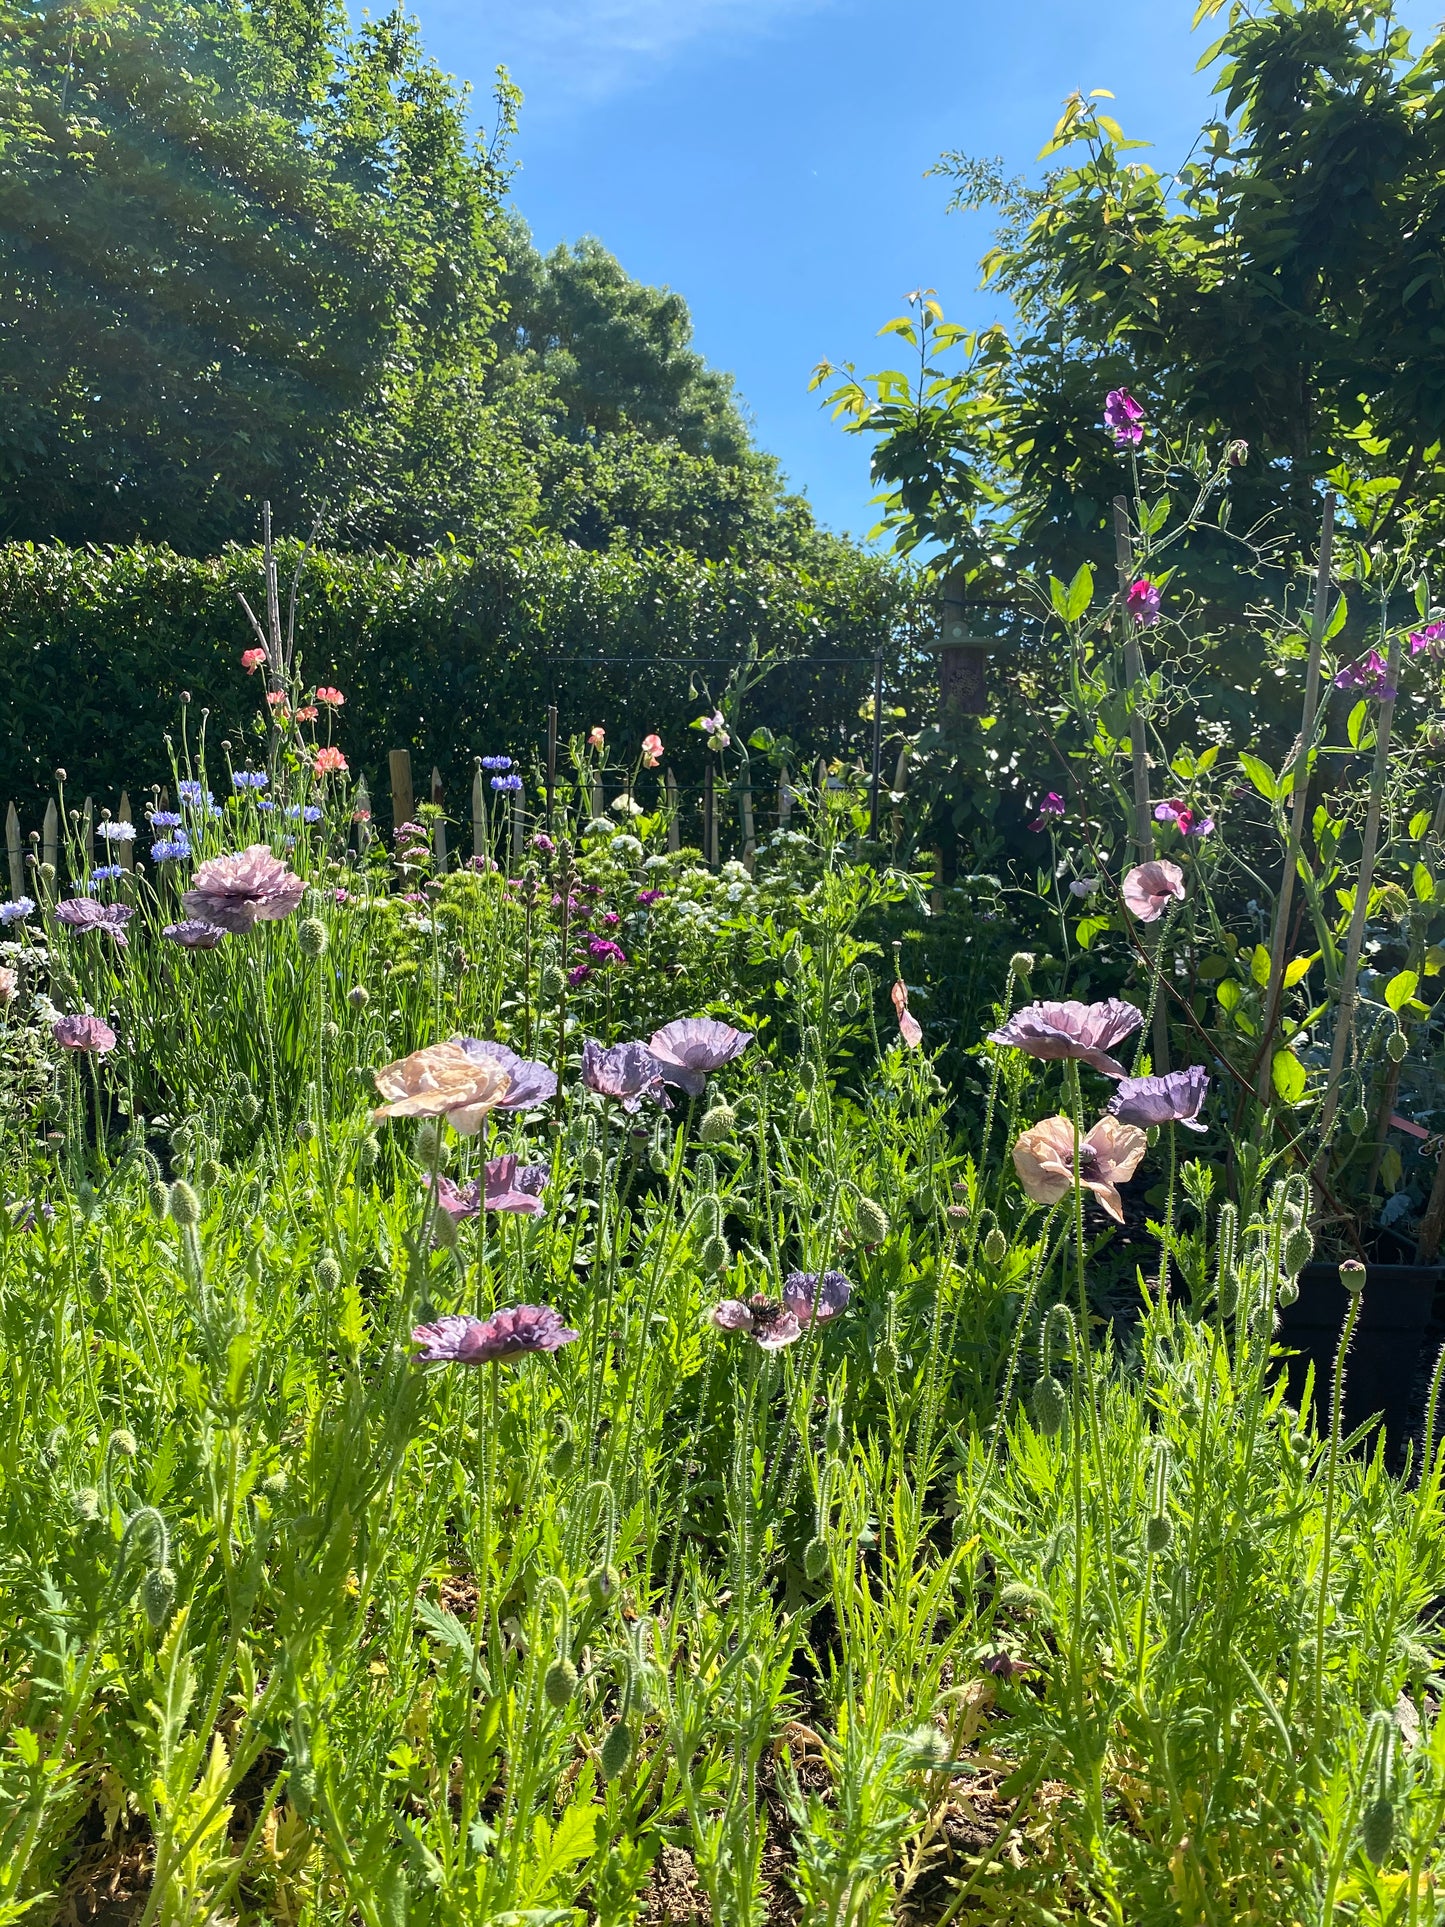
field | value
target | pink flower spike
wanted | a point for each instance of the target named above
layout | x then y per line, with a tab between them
1149	887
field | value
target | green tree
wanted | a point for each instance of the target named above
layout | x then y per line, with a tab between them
1285	286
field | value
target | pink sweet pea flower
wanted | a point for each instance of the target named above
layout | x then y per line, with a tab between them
1052	806
1123	416
251	660
651	751
1142	602
596	736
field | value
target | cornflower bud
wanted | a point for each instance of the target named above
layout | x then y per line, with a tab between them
185	1206
311	936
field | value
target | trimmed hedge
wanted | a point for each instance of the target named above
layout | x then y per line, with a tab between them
449	655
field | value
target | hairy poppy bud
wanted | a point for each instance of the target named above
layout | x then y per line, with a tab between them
185	1206
367	1152
275	1483
306	1130
1158	1531
1299	1248
833	1436
330	1033
852	1002
792	961
1287	1293
714	1253
160	1198
995	1246
1357	1121
616	1750
1396	1047
552	982
1352	1276
886	1358
590	1164
559	1682
358	996
1377	1829
301	1785
87	1506
211	1172
928	1748
1048	1406
807	1076
328	1272
122	1443
249	1107
717	1124
1021	963
429	1142
158	1595
444	1231
815	1558
871	1220
602	1586
705	1173
311	936
564	1454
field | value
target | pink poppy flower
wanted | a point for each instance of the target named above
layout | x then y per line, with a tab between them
1149	888
83	1033
236	892
770	1325
330	762
1087	1032
689	1047
909	1028
442	1081
1108	1156
485	1341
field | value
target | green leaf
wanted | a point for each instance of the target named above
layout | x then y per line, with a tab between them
1081	592
1401	988
1088	928
1259	962
1419	823
1288	1076
1424	883
1261	775
1355	727
1059	597
1338	618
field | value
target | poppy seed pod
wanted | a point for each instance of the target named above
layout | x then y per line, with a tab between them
328	1272
160	1199
616	1751
1352	1276
871	1220
311	936
602	1586
995	1246
184	1205
158	1595
717	1124
559	1683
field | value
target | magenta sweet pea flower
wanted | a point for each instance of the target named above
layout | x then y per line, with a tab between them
1051	808
1142	602
1430	640
1370	676
1123	417
1183	819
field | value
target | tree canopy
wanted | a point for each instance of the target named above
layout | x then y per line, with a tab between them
1284	286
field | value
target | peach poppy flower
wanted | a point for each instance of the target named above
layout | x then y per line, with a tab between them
1108	1157
1148	888
442	1081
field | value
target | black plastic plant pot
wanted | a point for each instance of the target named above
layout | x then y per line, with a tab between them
1388	1368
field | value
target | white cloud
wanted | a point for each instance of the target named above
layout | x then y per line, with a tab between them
590	49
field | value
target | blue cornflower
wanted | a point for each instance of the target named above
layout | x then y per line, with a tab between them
265	803
165	820
105	873
496	762
169	848
13	911
311	813
249	779
192	793
508	785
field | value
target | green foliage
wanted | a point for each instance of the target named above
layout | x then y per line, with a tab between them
446	653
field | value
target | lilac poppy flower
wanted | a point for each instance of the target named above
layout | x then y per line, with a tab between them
82	1033
1176	1098
194	934
628	1072
508	1187
1061	1030
1052	806
807	1296
769	1324
1149	888
237	892
456	1340
690	1047
533	1083
84	913
1123	416
1370	676
1142	602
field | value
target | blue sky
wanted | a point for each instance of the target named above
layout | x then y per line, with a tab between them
766	159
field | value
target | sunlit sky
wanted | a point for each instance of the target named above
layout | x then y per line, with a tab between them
766	158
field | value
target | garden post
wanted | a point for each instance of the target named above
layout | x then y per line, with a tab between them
877	745
13	851
123	815
402	800
785	799
674	834
745	811
362	815
439	828
551	761
50	834
709	817
479	810
1138	750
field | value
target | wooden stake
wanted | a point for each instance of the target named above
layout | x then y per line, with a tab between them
551	760
479	810
14	850
750	841
403	803
363	810
785	799
709	817
877	776
127	849
674	828
50	834
439	828
599	797
1139	753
